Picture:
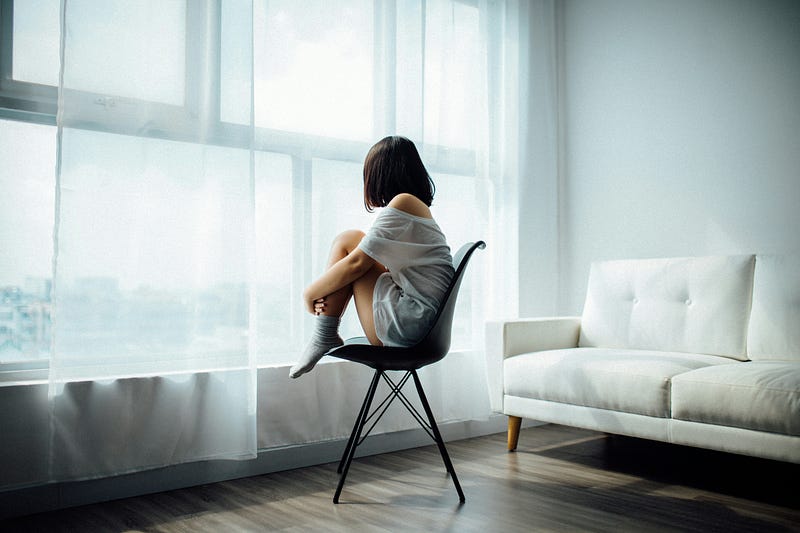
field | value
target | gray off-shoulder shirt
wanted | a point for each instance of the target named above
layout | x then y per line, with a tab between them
415	252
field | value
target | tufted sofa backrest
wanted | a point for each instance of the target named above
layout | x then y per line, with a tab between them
774	333
689	304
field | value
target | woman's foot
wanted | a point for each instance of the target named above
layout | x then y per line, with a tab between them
311	357
325	337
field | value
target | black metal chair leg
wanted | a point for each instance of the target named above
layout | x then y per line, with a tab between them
362	414
438	437
359	426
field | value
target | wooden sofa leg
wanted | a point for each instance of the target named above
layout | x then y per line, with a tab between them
514	423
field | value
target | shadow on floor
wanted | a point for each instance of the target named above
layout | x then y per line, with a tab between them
753	478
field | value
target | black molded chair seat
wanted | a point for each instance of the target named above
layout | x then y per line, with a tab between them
432	348
359	350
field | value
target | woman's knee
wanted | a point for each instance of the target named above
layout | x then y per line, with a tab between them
349	239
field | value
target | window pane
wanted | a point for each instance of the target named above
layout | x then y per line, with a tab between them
152	268
36	41
27	198
410	53
280	312
460	208
313	67
123	48
236	61
452	37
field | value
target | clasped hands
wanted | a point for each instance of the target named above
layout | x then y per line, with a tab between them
315	307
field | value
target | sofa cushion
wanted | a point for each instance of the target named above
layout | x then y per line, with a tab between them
757	395
693	304
774	332
633	381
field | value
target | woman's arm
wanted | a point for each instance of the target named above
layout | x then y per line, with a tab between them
342	274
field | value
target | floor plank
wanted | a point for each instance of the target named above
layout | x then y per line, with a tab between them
559	479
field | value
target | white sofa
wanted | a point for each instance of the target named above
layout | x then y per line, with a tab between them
701	351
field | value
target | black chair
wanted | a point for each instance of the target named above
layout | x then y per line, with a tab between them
432	348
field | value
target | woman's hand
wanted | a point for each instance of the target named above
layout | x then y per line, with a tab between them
319	306
314	306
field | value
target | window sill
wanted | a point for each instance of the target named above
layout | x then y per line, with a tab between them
23	377
36	373
24	373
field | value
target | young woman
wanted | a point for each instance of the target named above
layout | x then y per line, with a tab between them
397	272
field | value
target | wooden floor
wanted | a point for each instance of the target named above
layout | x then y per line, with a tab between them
560	479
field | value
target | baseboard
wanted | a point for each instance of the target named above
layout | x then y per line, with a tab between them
53	496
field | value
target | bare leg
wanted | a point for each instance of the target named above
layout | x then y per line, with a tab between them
326	334
343	244
362	288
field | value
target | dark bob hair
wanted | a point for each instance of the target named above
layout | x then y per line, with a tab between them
392	167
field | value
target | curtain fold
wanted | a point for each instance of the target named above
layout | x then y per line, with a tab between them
153	359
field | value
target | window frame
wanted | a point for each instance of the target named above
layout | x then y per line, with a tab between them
31	102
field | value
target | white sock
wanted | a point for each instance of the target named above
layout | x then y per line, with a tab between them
325	337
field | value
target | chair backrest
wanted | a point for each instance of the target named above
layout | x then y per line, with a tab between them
436	343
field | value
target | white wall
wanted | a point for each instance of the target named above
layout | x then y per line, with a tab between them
538	164
681	131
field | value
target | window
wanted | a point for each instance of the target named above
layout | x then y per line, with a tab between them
27	202
329	79
35	34
451	49
148	60
313	72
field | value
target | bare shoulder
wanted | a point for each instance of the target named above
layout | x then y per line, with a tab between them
411	205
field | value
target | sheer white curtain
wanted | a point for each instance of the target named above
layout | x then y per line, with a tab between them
331	79
208	153
153	358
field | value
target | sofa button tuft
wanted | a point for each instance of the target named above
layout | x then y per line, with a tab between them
688	302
